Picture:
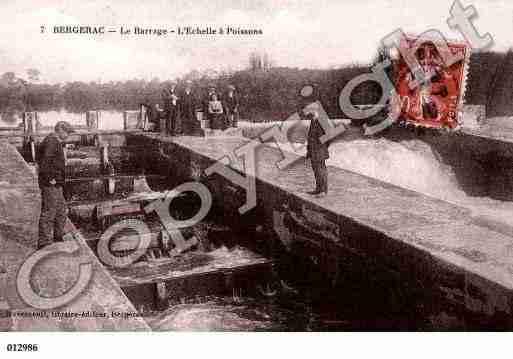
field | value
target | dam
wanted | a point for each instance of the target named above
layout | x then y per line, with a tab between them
416	234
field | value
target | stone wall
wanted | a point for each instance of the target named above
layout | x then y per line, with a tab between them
431	258
20	200
55	275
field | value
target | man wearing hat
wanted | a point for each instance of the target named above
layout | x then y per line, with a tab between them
231	105
190	123
318	153
51	176
171	111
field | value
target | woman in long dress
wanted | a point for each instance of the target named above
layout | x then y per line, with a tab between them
216	113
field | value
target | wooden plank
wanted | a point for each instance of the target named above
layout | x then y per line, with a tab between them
103	177
188	265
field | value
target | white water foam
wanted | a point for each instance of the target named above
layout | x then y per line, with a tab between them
413	165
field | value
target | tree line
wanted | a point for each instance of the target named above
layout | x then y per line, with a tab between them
265	93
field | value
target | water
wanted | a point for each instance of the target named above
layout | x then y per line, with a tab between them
233	314
410	164
413	165
109	120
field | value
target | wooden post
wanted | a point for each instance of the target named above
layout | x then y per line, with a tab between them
93	120
161	296
30	128
144	118
29	122
132	120
163	126
125	120
201	118
104	158
108	170
165	240
92	123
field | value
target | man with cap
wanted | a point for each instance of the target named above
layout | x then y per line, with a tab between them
188	111
318	153
231	105
51	176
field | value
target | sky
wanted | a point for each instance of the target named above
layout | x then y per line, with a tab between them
304	34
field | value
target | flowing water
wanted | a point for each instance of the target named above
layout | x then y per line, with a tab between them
410	164
413	165
109	120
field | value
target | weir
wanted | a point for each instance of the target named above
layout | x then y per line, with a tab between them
380	256
447	259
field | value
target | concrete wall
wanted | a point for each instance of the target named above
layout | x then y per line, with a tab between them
19	215
431	258
20	200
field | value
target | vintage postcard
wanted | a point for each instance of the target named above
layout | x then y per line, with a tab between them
253	166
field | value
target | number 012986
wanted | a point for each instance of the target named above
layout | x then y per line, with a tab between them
22	347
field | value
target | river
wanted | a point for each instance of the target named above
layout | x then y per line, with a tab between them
109	120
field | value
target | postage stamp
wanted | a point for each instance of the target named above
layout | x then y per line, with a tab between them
434	101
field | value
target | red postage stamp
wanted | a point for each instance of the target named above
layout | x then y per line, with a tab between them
436	102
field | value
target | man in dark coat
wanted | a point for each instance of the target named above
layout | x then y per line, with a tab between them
190	124
173	116
171	111
51	176
318	153
231	106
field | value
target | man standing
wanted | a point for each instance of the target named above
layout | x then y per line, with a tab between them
318	153
232	107
188	111
51	162
172	111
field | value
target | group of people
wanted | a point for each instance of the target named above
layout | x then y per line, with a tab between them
178	116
